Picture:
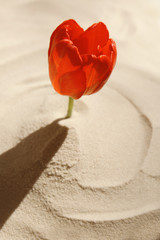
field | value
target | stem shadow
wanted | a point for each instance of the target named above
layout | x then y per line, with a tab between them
22	165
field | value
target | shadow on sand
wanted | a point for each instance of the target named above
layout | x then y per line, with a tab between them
21	166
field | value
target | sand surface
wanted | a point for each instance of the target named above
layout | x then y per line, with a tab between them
95	176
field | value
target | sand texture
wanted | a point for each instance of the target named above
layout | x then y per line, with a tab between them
95	176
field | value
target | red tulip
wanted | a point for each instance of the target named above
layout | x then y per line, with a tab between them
80	62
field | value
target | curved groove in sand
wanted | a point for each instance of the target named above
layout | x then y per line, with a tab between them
144	116
112	216
151	166
35	79
23	57
142	72
151	175
90	177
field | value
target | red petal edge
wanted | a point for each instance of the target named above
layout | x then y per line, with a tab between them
69	25
97	70
64	63
95	35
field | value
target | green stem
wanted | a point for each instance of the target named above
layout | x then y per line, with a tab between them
70	107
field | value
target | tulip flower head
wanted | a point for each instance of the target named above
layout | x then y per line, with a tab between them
80	62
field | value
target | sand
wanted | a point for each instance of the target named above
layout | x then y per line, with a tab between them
95	176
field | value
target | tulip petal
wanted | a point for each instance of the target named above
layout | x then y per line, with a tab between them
66	61
111	51
61	34
97	71
66	56
69	29
73	83
95	35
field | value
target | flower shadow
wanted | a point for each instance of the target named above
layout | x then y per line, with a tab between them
22	165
